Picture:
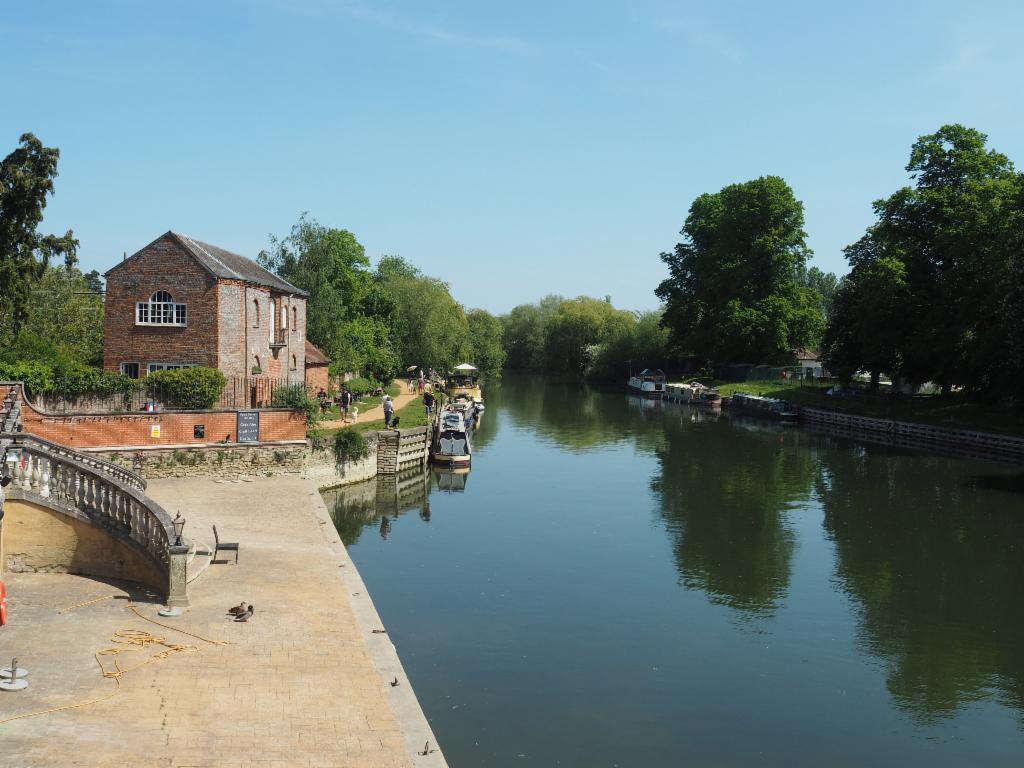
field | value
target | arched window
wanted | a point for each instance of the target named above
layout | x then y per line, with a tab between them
284	314
295	319
256	311
256	367
161	309
295	362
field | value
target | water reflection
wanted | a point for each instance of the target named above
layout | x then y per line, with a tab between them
378	503
935	563
724	497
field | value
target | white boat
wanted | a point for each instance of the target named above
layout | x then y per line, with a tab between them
771	407
452	438
648	383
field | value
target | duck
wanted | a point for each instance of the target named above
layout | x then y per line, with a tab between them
244	615
235	610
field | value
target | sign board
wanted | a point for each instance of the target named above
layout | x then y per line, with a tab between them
154	430
248	427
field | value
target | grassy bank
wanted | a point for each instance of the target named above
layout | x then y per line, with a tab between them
953	412
412	414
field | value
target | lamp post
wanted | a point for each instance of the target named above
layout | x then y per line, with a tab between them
179	526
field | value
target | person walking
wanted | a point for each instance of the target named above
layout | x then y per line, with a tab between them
389	411
346	401
428	403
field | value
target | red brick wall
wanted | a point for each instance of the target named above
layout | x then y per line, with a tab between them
316	377
161	265
176	428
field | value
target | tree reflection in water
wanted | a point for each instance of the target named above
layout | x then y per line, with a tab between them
724	495
934	559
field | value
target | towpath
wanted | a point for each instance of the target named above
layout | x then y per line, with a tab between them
401	400
305	682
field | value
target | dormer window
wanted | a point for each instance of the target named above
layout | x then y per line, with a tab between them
161	309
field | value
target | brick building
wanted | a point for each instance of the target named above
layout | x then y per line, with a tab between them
180	302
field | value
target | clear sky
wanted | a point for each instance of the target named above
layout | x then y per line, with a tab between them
512	149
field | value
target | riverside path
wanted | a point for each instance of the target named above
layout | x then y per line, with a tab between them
305	682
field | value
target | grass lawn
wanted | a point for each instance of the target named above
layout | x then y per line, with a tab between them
953	412
364	403
412	414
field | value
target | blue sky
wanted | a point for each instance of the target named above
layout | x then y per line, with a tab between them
512	149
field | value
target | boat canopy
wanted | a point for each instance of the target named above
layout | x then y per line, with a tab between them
452	421
655	373
465	368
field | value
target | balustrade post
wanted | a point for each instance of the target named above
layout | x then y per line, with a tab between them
177	582
44	484
26	480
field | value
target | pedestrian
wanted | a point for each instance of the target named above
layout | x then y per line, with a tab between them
428	403
346	401
389	411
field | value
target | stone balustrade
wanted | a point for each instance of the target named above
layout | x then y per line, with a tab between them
105	495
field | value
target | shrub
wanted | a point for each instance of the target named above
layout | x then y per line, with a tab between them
361	386
69	380
296	396
350	445
193	388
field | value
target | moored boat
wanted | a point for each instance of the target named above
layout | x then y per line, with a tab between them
452	434
706	397
770	407
463	383
647	383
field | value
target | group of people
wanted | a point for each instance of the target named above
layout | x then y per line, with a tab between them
346	401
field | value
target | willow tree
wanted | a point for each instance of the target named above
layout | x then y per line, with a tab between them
26	179
735	291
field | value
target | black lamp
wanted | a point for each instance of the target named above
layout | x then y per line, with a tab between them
179	526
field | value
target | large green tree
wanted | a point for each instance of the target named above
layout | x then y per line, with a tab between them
576	331
525	330
347	315
487	349
734	291
950	237
26	179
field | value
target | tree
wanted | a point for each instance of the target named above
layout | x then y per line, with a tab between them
525	330
734	293
577	329
949	239
486	341
64	320
347	314
26	178
824	285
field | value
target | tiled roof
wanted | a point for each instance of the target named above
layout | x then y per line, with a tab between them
314	356
232	266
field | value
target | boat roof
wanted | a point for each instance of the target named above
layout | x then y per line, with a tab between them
465	367
652	372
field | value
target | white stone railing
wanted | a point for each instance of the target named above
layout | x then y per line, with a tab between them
103	494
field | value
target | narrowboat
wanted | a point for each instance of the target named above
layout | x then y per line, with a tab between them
463	383
452	434
770	407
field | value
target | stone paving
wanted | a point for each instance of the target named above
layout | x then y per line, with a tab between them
301	683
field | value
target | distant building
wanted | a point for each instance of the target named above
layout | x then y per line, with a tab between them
180	302
809	361
317	365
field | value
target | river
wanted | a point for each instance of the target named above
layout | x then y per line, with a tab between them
622	583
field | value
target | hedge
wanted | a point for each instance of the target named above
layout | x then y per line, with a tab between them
192	388
296	396
69	380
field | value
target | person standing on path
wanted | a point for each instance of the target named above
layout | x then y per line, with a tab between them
428	403
389	411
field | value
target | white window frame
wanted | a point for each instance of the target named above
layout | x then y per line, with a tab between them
154	367
162	310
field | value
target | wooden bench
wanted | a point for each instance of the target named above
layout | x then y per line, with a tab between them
227	546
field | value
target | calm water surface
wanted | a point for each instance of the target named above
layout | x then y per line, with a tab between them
621	584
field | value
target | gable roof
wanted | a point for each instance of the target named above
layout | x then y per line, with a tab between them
224	264
314	356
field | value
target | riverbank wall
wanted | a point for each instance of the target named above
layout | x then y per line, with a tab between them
390	452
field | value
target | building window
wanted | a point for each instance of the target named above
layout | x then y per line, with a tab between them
284	315
154	367
131	370
257	369
161	309
295	319
295	362
256	310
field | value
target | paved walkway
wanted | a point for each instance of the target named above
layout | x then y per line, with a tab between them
401	400
304	683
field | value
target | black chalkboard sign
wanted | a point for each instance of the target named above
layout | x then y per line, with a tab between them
248	427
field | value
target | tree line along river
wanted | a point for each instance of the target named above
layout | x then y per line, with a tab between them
628	583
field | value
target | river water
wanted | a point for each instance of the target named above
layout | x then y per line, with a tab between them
619	583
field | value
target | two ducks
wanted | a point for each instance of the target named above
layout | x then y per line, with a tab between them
242	612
